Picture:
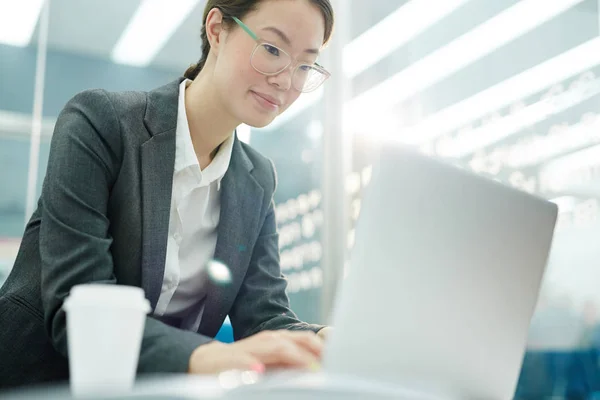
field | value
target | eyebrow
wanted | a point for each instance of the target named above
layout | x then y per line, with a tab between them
287	40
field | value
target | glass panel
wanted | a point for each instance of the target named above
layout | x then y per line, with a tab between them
297	154
14	154
79	47
517	102
17	69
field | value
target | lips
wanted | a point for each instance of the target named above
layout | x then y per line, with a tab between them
269	99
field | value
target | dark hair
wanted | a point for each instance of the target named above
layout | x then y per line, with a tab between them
239	9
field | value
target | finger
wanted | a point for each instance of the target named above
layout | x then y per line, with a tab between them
289	355
308	340
246	362
276	348
215	357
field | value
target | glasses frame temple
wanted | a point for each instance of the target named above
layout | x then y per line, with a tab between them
257	39
245	28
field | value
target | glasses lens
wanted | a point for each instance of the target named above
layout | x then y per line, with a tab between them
270	59
307	78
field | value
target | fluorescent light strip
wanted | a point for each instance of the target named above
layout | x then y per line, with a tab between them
511	124
570	163
408	21
19	124
153	23
576	136
394	31
580	135
496	131
472	46
18	19
571	171
559	68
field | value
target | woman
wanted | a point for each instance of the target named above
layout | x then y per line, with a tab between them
145	189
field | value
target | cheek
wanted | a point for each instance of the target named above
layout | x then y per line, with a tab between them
234	78
242	79
233	68
251	77
243	72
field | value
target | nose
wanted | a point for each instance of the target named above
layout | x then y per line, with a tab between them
282	80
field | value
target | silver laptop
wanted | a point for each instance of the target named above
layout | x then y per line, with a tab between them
441	287
443	280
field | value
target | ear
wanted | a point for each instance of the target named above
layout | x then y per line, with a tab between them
214	28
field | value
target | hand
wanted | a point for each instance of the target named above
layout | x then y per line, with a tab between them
268	349
325	332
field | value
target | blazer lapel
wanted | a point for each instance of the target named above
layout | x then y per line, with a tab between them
241	205
157	163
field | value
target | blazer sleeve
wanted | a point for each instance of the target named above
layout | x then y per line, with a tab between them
262	302
85	158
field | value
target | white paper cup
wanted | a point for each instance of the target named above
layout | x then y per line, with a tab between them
105	324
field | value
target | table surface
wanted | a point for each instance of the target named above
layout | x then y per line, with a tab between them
248	386
236	385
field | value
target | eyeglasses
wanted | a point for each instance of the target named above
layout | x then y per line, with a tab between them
269	60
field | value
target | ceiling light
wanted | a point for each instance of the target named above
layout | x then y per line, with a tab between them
461	52
394	31
153	23
18	19
533	80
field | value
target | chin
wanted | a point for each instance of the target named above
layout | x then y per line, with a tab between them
258	121
255	116
260	125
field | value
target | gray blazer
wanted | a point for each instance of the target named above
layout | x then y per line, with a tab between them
103	216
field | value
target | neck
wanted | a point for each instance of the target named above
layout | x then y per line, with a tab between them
209	123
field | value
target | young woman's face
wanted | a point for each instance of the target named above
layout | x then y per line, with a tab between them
295	26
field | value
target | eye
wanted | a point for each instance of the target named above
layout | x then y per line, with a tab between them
305	68
271	49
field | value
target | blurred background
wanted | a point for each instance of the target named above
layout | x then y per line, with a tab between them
506	88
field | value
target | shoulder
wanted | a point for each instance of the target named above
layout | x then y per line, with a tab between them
264	168
95	118
109	104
